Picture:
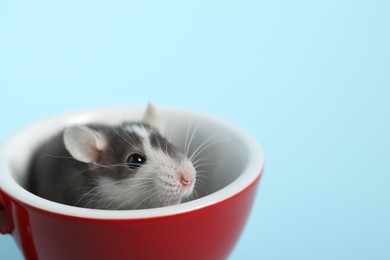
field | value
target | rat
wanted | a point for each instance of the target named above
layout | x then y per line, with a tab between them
127	166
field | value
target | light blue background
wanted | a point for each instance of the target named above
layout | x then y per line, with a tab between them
309	79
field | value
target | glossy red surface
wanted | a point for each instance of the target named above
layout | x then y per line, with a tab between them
207	233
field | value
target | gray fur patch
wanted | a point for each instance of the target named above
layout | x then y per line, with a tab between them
159	142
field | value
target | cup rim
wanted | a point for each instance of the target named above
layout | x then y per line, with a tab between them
249	175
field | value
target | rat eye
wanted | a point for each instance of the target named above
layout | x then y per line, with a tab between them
135	160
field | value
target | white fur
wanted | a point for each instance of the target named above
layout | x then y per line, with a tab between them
138	130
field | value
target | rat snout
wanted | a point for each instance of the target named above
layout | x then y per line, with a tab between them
187	175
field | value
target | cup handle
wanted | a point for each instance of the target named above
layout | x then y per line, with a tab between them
5	224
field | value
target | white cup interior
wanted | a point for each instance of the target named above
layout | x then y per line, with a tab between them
230	159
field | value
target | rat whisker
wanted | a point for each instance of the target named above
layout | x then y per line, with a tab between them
205	145
86	194
206	156
206	160
107	186
191	139
201	188
98	166
152	192
194	195
146	188
203	175
55	156
151	202
186	139
201	166
109	200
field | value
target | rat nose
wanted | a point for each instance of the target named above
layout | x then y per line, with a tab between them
185	180
186	177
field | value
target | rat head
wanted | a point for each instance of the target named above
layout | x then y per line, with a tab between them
131	166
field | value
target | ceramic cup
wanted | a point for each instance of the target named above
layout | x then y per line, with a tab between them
204	228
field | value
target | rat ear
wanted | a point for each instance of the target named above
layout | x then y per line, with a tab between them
84	143
151	118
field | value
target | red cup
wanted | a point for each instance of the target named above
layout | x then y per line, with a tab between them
204	228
